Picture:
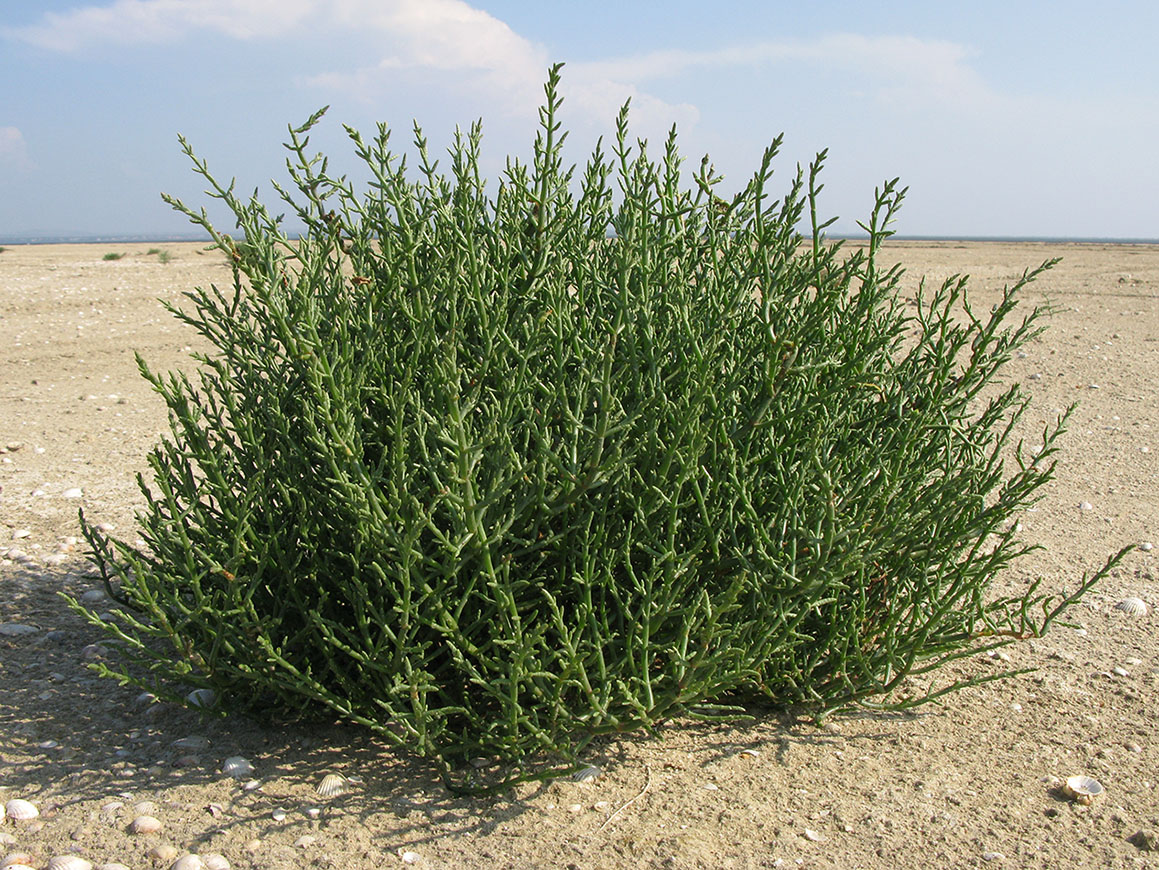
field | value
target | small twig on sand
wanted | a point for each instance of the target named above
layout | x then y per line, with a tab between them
624	806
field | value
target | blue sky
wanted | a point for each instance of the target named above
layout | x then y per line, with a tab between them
1003	118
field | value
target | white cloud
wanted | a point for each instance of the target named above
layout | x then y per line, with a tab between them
151	21
476	50
898	69
13	149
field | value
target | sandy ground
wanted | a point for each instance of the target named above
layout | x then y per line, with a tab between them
961	785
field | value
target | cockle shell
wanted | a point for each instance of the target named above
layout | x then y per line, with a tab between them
333	785
214	861
69	862
587	774
204	698
1082	789
145	825
237	767
1133	606
21	810
188	862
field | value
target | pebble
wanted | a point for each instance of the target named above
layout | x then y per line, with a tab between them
188	862
74	492
17	629
1145	841
113	866
812	836
215	861
1086	506
409	857
305	841
993	856
1147	546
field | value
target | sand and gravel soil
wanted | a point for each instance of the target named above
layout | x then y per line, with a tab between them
970	783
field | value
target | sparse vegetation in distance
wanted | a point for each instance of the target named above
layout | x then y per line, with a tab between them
164	257
112	256
494	469
152	251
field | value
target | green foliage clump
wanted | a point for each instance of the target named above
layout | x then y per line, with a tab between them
112	256
494	471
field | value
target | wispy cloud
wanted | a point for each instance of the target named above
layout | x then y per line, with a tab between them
897	68
153	21
13	149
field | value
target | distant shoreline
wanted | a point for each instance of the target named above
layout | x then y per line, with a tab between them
176	239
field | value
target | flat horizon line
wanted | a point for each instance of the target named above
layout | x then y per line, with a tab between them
173	238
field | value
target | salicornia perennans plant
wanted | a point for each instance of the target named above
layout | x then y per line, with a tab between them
494	470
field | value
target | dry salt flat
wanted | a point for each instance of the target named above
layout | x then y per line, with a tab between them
1058	767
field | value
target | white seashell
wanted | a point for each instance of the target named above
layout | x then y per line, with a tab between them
69	862
21	810
74	492
1082	789
278	815
409	857
587	774
1133	606
20	533
204	698
145	825
15	858
188	862
193	743
1146	546
333	785
113	866
313	812
237	767
214	861
163	852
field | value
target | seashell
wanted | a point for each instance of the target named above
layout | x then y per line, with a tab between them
409	857
214	861
193	743
237	767
305	841
333	785
69	862
587	774
188	862
1146	546
278	815
74	492
204	698
313	812
145	825
1082	789
1133	606
15	858
112	866
163	852
21	810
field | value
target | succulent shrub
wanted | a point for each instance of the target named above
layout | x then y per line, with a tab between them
494	470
